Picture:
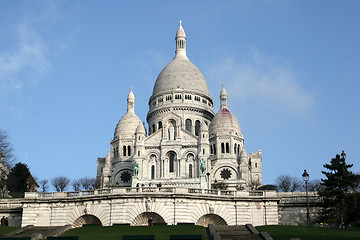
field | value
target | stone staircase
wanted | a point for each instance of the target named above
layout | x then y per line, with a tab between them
238	232
38	232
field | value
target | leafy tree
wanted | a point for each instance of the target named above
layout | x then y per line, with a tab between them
6	150
286	183
337	194
18	179
268	187
60	183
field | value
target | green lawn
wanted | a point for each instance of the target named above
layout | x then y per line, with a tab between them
5	230
286	232
161	232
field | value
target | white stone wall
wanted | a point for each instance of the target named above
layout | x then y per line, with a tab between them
174	206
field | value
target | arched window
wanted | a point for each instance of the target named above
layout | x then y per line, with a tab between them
211	150
114	152
227	148
159	125
188	125
235	148
153	128
172	158
197	127
117	151
190	171
222	148
124	150
238	149
214	149
129	151
153	172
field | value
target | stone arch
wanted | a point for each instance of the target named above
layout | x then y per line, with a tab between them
172	156
143	218
86	219
210	218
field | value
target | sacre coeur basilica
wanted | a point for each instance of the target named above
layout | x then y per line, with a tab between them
189	166
187	144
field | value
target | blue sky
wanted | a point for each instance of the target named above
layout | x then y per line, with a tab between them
291	69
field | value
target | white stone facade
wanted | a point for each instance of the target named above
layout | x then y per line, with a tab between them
183	129
135	206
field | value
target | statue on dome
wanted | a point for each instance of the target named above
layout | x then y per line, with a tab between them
202	166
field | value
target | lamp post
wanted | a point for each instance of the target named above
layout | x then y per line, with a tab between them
305	177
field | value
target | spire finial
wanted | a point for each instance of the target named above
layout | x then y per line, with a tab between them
180	39
223	97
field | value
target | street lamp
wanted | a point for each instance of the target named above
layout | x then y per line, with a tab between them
305	177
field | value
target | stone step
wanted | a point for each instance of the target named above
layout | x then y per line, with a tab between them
236	233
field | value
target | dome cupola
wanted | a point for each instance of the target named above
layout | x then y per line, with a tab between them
128	124
224	122
180	84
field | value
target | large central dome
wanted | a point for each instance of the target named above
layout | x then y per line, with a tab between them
180	74
181	89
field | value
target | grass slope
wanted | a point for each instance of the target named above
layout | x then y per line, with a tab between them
161	232
286	232
5	230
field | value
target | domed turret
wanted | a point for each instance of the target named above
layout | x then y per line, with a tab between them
140	129
128	124
224	122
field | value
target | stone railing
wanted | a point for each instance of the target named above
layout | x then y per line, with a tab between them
298	197
9	203
150	190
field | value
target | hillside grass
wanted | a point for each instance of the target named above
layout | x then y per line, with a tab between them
161	232
281	232
5	230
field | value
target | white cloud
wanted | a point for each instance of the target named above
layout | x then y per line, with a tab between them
268	80
26	59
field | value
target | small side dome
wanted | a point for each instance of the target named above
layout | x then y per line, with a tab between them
127	125
140	129
224	122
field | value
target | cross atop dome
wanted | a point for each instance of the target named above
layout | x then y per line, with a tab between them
180	43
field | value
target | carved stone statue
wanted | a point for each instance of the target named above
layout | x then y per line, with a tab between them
171	132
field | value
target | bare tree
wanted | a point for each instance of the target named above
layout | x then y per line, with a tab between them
6	150
44	185
76	184
315	185
88	183
286	183
60	183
